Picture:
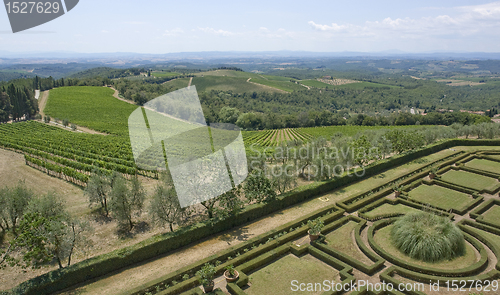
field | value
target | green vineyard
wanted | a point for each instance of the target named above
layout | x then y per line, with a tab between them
271	138
74	155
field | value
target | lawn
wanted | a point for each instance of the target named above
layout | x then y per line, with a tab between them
492	215
470	180
440	197
483	164
276	277
92	107
390	209
341	239
384	240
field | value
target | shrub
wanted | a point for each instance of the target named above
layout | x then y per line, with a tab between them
315	225
428	237
206	274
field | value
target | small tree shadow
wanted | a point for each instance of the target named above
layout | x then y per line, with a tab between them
99	216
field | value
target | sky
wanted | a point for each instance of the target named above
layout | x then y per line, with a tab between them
164	26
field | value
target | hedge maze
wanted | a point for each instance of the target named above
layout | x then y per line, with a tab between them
355	246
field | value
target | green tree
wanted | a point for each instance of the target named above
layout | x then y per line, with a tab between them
283	178
258	188
16	201
230	203
229	115
165	208
97	191
124	202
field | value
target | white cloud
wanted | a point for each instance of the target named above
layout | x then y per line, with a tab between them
173	32
464	20
333	27
216	32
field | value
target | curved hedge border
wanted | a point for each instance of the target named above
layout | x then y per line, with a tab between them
368	269
94	267
475	268
403	201
477	213
241	253
387	276
345	270
472	229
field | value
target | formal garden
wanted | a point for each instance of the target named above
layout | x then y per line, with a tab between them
436	226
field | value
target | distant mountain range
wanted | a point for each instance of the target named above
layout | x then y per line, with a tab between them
130	56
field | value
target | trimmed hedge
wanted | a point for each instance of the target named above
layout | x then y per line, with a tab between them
468	271
345	271
387	276
368	269
255	247
357	201
464	226
477	214
404	201
461	211
94	267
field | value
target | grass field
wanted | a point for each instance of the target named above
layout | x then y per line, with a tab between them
383	239
439	197
164	74
285	86
483	164
315	83
390	209
363	85
341	239
492	215
470	180
235	84
276	277
92	107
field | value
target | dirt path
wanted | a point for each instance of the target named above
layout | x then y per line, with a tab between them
190	81
308	88
149	270
42	102
117	95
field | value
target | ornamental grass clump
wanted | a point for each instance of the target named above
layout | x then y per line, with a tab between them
428	237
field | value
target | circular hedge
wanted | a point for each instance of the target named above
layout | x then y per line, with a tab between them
428	237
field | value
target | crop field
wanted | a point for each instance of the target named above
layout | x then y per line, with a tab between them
315	83
92	107
274	137
363	85
164	74
235	84
283	85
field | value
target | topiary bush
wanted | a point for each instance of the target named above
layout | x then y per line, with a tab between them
428	237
